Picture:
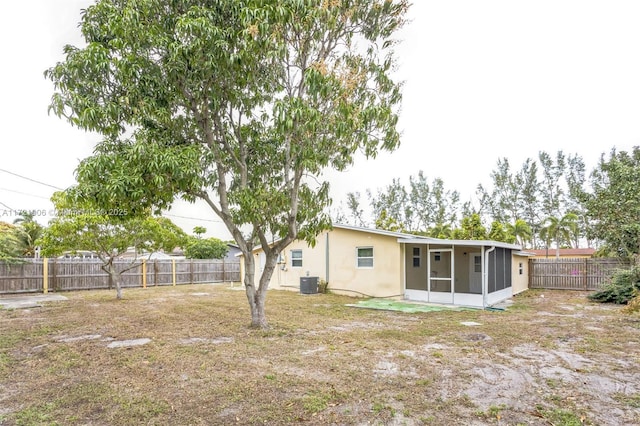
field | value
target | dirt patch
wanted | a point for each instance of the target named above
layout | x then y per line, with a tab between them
552	360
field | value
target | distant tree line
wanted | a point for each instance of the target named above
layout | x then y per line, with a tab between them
547	202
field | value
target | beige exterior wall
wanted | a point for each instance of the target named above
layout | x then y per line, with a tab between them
384	279
519	273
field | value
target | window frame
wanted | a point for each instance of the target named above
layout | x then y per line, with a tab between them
416	257
359	258
295	258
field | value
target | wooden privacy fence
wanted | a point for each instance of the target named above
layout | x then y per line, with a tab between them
43	275
573	273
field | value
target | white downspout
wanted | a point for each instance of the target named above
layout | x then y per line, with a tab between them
485	277
326	258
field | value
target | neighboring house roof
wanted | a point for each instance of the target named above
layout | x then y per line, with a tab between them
572	252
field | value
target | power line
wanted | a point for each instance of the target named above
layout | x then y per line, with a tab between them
192	218
24	193
1	203
61	189
32	180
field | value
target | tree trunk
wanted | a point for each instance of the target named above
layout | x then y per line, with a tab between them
257	297
258	316
114	276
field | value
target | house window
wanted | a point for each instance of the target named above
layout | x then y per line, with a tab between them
520	268
296	258
416	257
365	257
477	263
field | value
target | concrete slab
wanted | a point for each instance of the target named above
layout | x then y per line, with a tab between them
30	301
128	343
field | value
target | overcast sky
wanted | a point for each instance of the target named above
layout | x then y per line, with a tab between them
483	80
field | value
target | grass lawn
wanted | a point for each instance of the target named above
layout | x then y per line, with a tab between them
185	356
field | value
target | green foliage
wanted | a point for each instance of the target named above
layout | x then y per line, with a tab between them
551	189
471	228
9	246
109	234
613	205
498	232
26	233
209	248
388	222
418	208
355	211
441	231
559	416
240	103
560	230
199	230
520	232
623	287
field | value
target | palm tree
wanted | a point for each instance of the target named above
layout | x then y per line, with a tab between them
27	232
560	230
521	231
441	230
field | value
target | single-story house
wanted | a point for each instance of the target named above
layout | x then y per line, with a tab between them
377	263
563	253
233	253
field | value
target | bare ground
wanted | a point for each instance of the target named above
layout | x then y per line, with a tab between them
184	355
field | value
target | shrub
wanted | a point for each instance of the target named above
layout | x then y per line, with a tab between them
621	289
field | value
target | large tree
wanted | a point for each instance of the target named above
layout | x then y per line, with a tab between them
240	103
108	234
432	205
391	203
613	204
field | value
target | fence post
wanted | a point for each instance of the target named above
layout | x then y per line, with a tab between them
586	271
155	272
173	271
144	273
191	271
224	272
45	275
54	281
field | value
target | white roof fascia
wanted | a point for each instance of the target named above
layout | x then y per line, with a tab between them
427	240
376	231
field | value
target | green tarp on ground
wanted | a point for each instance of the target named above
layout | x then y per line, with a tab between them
395	305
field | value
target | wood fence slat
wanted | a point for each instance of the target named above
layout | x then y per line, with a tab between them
70	274
573	273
